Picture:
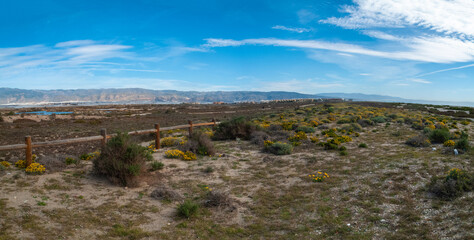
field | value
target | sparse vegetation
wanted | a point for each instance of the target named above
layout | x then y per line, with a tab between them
453	185
255	194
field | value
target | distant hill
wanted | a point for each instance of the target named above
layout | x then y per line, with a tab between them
21	96
12	96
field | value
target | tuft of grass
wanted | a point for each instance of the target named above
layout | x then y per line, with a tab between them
363	145
187	209
155	165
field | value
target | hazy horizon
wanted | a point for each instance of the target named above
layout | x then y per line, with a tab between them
421	50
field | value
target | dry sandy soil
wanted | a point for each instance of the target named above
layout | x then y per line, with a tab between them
372	193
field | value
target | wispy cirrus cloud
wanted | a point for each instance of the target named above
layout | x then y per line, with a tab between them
444	16
445	70
436	50
291	29
419	80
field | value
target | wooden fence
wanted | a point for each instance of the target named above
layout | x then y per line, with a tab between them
29	145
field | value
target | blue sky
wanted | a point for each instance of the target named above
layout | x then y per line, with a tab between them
417	49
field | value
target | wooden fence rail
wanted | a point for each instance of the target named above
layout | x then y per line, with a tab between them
29	145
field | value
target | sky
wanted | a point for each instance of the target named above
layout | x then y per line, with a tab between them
416	49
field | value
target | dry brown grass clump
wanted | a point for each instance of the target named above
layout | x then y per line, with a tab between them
166	194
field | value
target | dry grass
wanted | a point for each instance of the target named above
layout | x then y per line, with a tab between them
372	193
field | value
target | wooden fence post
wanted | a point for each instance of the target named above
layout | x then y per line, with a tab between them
214	121
29	151
103	132
157	138
190	128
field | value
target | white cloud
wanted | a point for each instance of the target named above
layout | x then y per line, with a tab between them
382	35
418	80
365	74
305	16
444	16
433	49
345	54
75	43
445	70
298	30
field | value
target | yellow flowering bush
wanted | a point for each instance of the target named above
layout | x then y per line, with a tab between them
267	143
89	156
35	168
174	153
20	164
170	141
188	156
449	143
345	138
314	139
5	163
318	177
297	137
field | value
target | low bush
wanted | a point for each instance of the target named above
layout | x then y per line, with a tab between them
187	209
155	165
218	200
305	129
70	161
462	144
418	141
379	119
121	161
363	145
199	143
439	136
166	194
365	122
235	128
259	137
278	148
170	141
453	185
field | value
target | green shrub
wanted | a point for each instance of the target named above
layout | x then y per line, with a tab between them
418	141
305	129
199	143
439	136
2	167
462	144
363	145
235	128
155	165
279	148
70	161
343	153
379	119
208	169
187	209
121	161
365	122
453	185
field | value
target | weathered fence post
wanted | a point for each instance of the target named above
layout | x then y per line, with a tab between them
29	151
103	132
190	128
214	121
157	138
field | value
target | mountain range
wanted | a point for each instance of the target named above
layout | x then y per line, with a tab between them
14	96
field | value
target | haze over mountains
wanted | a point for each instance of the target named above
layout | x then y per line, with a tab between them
14	96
